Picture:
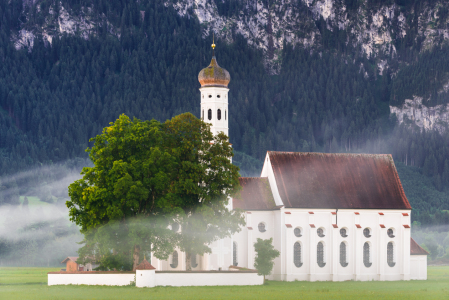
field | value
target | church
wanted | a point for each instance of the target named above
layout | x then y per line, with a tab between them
332	217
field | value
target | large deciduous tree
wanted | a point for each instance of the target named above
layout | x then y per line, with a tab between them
146	176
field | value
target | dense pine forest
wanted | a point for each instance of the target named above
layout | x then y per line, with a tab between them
55	97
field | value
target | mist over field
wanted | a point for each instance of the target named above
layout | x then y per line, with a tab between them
38	233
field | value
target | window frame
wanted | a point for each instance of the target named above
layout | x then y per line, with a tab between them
390	255
297	254
321	261
367	255
264	227
344	256
174	263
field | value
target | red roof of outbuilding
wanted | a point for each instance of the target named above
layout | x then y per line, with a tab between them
416	249
351	181
72	258
145	265
255	194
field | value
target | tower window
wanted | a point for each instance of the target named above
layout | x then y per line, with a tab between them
210	96
343	232
193	261
174	260
297	254
390	254
366	255
366	232
202	116
234	255
218	96
343	261
219	114
225	114
209	114
297	232
320	255
262	227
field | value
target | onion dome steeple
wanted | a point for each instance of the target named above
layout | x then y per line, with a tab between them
214	75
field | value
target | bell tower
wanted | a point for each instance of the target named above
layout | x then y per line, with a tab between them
214	96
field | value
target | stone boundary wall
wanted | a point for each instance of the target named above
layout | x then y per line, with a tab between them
152	278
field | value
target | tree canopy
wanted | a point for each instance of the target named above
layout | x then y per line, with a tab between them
265	254
148	175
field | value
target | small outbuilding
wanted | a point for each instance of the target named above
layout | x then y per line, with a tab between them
73	266
418	261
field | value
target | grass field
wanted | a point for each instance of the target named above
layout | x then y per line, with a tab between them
31	283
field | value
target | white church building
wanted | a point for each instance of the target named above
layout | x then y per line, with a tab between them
333	217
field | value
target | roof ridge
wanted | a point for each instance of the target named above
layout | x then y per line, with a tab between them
329	154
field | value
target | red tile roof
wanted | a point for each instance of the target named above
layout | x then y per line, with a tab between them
351	181
416	249
72	258
145	265
255	194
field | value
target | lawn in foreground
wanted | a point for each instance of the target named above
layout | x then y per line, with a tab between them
31	283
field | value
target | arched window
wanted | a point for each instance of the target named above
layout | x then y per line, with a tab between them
390	232
234	255
297	254
366	232
209	114
343	261
320	232
366	255
262	227
320	255
297	232
219	114
202	115
225	114
390	254
174	260
193	261
343	232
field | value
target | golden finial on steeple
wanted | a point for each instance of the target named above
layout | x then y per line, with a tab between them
213	42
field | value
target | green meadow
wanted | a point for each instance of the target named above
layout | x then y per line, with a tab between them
31	283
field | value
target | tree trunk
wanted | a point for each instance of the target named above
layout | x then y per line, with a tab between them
136	255
188	261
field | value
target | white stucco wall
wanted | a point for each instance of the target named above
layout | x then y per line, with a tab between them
114	279
207	279
418	267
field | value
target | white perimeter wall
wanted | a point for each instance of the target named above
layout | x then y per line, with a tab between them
207	279
91	279
148	278
418	267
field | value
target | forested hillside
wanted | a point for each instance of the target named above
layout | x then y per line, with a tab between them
143	59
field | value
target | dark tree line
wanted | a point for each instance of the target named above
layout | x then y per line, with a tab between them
54	97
